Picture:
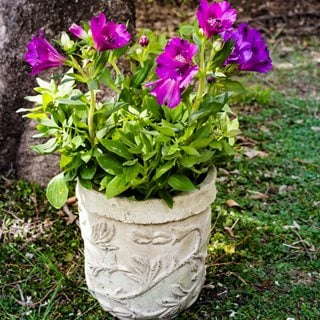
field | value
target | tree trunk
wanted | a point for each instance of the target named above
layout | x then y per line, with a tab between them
20	19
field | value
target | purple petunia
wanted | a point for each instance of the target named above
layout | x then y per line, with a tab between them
108	35
175	71
42	55
216	17
250	50
167	91
78	31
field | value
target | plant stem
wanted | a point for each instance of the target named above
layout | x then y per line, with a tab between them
202	79
115	67
91	116
74	64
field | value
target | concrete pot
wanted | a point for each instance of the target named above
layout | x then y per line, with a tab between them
144	260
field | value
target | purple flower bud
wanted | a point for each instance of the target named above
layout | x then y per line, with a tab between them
42	55
108	35
175	70
144	41
78	31
250	50
211	79
215	18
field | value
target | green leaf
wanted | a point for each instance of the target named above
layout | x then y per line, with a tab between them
228	149
71	102
106	79
87	171
166	197
232	86
93	85
190	150
190	161
200	143
186	30
131	173
110	164
222	55
116	186
65	160
57	191
141	74
181	182
86	183
163	169
117	147
46	148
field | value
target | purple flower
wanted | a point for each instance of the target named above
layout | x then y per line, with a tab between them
78	31
215	18
175	71
167	91
250	50
108	35
176	61
42	55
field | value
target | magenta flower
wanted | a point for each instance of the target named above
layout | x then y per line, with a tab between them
175	71
78	31
167	91
215	18
250	50
108	35
42	55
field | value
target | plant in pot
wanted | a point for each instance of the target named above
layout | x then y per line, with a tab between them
144	154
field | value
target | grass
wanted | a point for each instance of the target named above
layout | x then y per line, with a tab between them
263	258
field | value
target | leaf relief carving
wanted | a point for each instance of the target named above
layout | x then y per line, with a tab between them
102	234
148	237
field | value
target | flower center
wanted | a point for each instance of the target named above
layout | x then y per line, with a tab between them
180	58
215	23
109	39
182	70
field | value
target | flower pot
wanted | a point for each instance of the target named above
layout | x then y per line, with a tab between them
144	260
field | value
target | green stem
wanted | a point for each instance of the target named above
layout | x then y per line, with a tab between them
74	63
115	67
91	116
202	79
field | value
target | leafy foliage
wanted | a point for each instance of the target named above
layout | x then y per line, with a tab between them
128	144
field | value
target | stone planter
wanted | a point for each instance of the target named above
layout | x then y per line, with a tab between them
144	260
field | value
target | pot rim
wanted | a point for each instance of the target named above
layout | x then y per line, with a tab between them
185	204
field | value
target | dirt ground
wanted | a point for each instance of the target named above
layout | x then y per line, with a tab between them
275	18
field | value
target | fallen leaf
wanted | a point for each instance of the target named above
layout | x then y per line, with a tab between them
245	141
256	195
71	201
253	153
283	189
283	66
223	171
315	129
315	56
231	204
264	129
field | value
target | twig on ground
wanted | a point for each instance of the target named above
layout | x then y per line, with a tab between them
303	242
239	277
71	216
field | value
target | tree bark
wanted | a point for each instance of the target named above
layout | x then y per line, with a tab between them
19	20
